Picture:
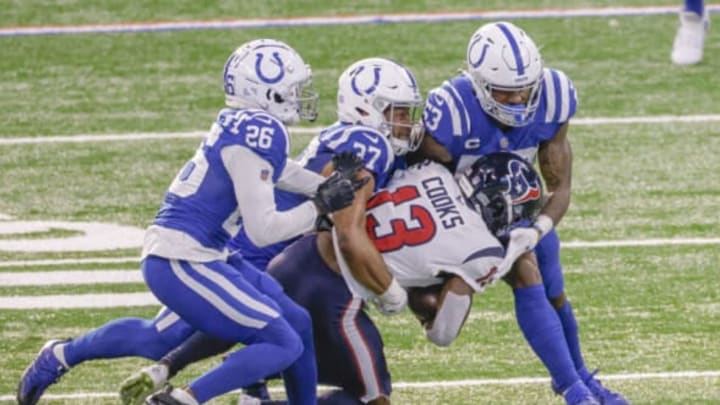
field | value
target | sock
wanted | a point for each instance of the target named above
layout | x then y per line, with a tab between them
572	337
197	347
119	338
542	329
696	6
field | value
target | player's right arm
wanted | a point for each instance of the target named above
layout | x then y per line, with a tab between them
254	191
445	120
255	158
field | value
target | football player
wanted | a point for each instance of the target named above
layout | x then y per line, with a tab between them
420	223
506	100
230	179
378	106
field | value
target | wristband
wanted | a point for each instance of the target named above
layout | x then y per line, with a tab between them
543	224
394	293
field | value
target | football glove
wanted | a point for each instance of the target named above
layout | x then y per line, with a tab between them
521	240
347	164
392	301
333	194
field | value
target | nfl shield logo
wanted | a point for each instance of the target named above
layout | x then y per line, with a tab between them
264	174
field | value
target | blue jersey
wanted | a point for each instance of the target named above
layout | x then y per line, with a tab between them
369	144
454	117
201	201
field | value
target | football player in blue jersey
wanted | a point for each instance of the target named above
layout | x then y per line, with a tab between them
229	182
506	100
378	106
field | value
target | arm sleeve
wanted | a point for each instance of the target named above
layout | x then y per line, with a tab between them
254	192
449	319
298	179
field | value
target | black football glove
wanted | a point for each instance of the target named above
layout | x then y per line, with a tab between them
333	194
347	164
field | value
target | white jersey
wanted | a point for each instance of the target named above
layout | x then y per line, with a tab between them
423	228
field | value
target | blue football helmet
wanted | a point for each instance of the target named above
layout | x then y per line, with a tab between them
504	188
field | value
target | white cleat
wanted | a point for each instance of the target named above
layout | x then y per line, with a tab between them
690	38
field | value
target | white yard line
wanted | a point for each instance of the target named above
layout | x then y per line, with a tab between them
70	277
565	245
52	262
120	300
431	17
141	136
442	384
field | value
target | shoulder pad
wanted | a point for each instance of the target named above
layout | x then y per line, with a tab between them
445	113
559	97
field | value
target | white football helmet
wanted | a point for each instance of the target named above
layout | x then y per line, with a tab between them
501	56
269	75
369	87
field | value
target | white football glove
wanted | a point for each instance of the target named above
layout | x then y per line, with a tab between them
522	240
392	301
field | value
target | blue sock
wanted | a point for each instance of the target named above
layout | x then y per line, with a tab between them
572	336
275	348
119	338
542	329
696	6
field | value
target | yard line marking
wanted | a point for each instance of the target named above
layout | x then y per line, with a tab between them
85	260
70	277
140	136
640	242
431	17
446	384
122	300
566	245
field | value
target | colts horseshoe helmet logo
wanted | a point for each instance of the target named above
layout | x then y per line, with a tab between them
371	88
275	60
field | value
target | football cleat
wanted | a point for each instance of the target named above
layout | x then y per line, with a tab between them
690	38
45	370
579	394
142	384
171	396
248	400
602	394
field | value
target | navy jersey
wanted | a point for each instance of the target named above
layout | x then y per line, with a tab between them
367	143
454	117
201	203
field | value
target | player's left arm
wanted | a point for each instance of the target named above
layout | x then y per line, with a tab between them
555	161
453	308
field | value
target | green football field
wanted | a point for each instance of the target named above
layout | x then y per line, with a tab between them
79	144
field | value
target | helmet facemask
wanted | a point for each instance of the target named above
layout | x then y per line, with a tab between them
298	102
514	115
405	132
